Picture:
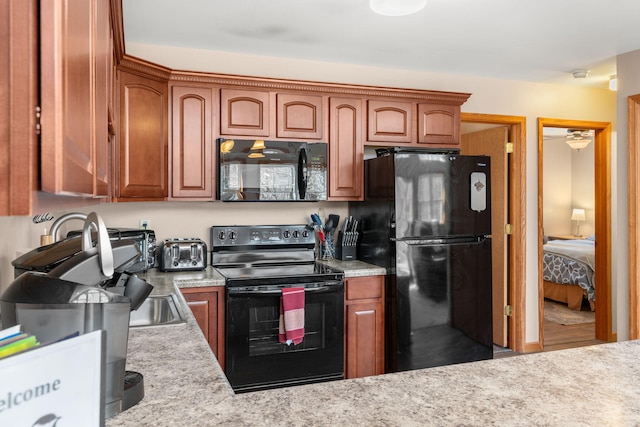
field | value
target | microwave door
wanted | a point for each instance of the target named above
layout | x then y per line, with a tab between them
277	182
302	173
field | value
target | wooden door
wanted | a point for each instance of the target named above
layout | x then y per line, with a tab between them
244	112
364	326
492	142
191	142
207	306
346	152
439	125
66	49
390	121
102	86
143	147
299	116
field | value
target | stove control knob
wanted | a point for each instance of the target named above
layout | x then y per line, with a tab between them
287	234
296	234
305	234
222	235
233	235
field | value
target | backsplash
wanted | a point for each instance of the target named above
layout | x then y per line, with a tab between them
168	220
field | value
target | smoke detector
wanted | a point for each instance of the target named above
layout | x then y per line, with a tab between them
580	74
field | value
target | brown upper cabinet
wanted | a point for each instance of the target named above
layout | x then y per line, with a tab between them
244	113
73	131
346	151
299	116
439	124
75	69
54	121
141	165
192	143
390	121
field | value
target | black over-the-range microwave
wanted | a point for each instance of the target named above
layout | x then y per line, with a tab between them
258	170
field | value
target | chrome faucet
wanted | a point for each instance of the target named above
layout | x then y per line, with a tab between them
64	218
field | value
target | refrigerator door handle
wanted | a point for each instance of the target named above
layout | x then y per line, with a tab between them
442	241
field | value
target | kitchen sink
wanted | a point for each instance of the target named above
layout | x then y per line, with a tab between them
157	310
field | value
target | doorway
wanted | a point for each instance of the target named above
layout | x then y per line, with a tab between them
509	296
602	225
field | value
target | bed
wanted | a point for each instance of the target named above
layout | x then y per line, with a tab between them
569	271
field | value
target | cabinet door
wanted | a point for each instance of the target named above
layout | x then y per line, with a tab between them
364	318
67	142
244	112
439	124
19	87
142	149
207	306
299	116
346	153
390	121
191	142
364	344
103	64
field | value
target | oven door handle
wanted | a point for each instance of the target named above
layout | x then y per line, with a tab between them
278	292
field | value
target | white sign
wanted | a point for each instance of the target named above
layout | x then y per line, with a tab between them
59	384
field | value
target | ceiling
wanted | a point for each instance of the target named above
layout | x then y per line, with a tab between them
538	41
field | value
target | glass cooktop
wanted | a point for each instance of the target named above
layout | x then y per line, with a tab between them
276	273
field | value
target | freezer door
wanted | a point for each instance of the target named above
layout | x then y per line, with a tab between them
442	304
441	195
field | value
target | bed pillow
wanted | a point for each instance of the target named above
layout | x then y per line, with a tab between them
592	238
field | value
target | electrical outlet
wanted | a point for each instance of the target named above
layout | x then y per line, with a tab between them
145	223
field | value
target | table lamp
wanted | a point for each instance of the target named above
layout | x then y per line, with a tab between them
578	215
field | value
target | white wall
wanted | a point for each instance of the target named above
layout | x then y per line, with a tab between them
489	96
568	183
556	188
583	187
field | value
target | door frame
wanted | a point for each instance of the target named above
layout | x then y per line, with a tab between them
516	280
633	132
602	176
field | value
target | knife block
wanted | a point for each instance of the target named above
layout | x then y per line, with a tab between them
345	250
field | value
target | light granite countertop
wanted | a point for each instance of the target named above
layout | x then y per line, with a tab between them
184	386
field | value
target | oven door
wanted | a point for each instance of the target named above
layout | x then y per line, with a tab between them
256	360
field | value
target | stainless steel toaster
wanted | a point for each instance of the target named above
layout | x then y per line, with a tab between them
183	254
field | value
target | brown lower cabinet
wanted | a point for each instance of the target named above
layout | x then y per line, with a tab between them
207	306
364	326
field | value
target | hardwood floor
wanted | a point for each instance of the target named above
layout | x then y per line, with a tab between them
558	337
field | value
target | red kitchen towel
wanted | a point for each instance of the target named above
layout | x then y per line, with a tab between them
291	326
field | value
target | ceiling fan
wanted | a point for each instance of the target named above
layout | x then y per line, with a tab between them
575	138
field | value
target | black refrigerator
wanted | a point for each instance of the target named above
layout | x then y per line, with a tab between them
426	217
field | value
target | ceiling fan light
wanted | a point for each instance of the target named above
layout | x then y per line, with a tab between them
396	7
578	144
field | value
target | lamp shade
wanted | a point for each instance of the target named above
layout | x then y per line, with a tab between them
578	215
578	144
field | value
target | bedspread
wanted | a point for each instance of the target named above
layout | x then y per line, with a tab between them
571	262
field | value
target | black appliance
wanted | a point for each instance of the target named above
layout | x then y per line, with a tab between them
257	170
45	258
257	263
85	292
426	217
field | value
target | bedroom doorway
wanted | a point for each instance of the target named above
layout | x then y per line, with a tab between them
559	216
488	134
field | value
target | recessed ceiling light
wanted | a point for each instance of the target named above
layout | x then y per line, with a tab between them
396	7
